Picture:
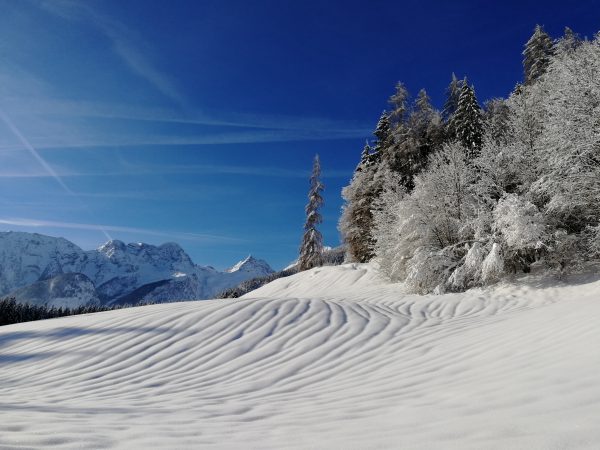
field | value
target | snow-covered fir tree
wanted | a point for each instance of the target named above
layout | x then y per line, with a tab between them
383	133
399	103
466	122
452	95
356	222
537	54
311	249
427	132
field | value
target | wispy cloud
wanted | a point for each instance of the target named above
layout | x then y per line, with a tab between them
126	45
44	105
140	59
131	169
197	237
47	167
212	169
51	119
132	140
49	170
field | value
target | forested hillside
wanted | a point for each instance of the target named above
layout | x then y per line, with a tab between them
446	200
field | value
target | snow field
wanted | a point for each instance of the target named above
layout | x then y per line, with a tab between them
329	358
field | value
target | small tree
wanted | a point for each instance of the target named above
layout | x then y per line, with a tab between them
311	250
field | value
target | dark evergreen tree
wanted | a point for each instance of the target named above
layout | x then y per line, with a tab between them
311	250
368	158
384	146
536	56
383	133
467	121
399	103
356	222
426	135
452	96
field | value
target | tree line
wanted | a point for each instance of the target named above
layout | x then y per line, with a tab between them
12	311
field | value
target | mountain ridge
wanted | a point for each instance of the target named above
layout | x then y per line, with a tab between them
115	269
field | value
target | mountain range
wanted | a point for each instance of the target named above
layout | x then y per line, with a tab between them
53	271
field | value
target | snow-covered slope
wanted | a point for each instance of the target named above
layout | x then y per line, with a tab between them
331	358
67	289
117	270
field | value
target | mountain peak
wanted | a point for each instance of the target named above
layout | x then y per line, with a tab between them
252	265
111	247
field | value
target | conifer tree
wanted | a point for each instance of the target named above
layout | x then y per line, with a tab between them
537	54
311	250
467	121
383	133
367	158
356	222
426	129
452	96
399	103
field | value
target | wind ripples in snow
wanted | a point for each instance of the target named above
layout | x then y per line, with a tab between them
302	364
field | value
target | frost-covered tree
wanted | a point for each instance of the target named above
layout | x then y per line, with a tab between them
311	249
569	187
428	225
569	41
426	132
496	120
517	188
521	228
386	223
383	133
466	122
537	54
452	95
356	222
399	103
419	134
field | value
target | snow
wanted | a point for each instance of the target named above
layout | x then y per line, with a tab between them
329	358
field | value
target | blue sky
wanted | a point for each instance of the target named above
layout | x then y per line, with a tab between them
197	121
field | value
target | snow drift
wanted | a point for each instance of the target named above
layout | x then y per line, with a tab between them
329	358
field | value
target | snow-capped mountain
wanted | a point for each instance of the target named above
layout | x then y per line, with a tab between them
26	258
118	272
257	267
